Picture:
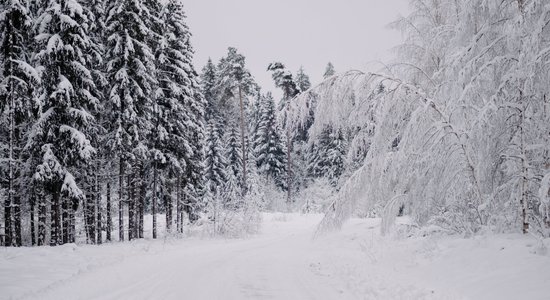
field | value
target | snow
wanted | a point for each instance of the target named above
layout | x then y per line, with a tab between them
83	145
284	262
71	188
55	43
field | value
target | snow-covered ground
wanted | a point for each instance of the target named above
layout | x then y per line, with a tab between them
284	262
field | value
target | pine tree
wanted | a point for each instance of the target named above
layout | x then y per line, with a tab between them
235	84
302	80
130	65
18	78
61	135
329	71
268	146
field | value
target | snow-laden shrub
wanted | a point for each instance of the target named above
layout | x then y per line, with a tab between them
229	214
316	197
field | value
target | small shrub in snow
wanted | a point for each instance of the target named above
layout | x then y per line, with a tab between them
231	215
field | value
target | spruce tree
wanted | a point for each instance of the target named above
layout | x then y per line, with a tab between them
61	135
95	11
231	192
215	162
18	78
233	150
268	146
130	65
326	156
208	79
180	105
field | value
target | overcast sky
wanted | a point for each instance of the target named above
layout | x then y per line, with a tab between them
352	34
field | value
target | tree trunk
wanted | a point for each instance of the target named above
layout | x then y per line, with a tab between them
73	207
142	198
86	220
288	154
99	237
244	187
108	212
154	209
121	200
63	233
168	207
53	219
7	221
289	166
131	208
179	222
89	209
524	171
55	222
33	215
8	213
41	220
136	196
65	220
17	222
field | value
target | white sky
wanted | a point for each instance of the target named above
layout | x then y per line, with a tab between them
352	34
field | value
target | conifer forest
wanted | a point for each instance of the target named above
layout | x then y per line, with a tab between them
131	170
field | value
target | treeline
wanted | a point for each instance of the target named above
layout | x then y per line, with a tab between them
105	120
251	147
246	147
102	116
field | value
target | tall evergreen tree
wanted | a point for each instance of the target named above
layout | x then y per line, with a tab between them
179	102
235	84
150	149
326	156
95	11
130	65
61	136
302	80
18	79
268	146
284	80
234	150
208	83
215	162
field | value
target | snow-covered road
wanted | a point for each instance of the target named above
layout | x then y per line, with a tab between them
272	266
283	262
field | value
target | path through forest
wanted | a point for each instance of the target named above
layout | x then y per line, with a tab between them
283	262
273	265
